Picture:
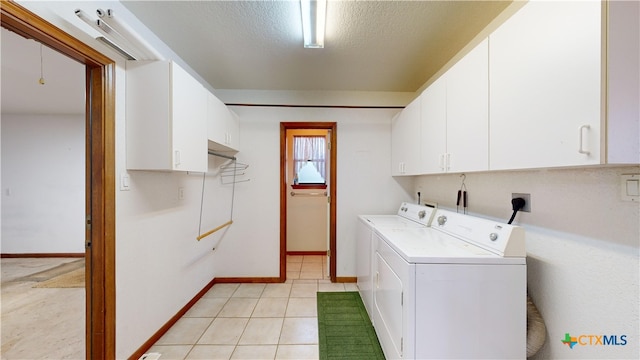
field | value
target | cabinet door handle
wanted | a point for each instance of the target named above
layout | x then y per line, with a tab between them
177	157
581	131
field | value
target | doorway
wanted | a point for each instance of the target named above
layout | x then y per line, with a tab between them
312	193
100	170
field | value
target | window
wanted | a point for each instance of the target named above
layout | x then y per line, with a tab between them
309	165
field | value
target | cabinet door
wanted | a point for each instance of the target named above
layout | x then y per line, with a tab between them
189	112
222	125
623	83
233	130
434	127
405	141
468	112
217	119
148	108
545	86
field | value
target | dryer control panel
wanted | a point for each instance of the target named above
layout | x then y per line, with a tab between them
500	238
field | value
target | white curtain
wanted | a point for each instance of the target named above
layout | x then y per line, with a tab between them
309	149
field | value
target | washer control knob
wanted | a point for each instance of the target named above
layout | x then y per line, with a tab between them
422	214
441	220
493	236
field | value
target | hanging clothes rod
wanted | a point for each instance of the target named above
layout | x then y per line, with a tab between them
200	237
211	152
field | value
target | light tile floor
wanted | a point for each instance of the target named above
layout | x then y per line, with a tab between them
254	321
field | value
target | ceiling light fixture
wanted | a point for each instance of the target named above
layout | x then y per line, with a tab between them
314	13
118	36
128	34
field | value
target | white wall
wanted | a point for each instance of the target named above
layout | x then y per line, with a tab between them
160	266
582	249
43	184
364	185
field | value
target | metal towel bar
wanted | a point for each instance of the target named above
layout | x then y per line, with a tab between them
293	193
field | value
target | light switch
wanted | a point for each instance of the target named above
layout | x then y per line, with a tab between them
124	182
630	187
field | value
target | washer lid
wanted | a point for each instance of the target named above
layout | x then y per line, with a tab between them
389	221
408	215
430	246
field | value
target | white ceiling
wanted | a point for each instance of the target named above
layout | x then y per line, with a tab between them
387	46
369	45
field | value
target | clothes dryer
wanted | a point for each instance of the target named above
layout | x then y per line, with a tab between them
454	290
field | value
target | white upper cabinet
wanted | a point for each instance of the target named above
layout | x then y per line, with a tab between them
545	86
222	126
558	84
455	124
165	115
623	83
405	141
233	131
468	111
434	127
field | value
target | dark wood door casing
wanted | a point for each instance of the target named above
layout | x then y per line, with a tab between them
333	128
100	171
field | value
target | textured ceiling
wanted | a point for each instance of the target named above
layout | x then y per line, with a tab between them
369	46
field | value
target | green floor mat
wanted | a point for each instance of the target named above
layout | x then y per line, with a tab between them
344	328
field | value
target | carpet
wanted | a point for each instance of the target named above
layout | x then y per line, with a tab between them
68	275
344	328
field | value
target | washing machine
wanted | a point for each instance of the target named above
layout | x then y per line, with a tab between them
453	290
408	216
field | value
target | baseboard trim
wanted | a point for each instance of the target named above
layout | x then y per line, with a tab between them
251	280
346	279
324	253
158	334
43	255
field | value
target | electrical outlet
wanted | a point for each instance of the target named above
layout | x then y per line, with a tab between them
527	200
181	193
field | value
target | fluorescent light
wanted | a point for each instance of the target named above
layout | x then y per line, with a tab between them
119	40
117	48
126	32
314	13
122	40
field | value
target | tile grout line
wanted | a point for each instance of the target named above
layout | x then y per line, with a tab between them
193	346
